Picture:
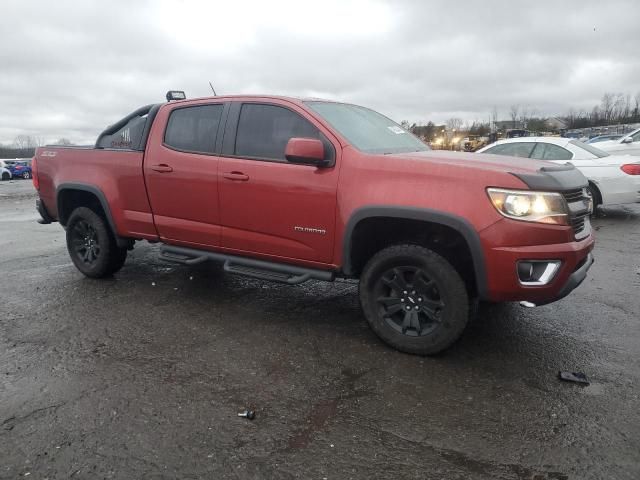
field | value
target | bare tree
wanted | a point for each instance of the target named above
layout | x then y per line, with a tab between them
454	123
493	118
626	111
21	142
607	107
513	112
617	112
636	109
525	115
63	141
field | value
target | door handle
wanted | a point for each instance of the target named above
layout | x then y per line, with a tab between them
162	168
238	176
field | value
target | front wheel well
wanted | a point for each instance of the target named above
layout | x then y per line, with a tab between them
371	235
597	195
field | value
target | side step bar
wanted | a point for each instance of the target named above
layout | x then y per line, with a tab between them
264	270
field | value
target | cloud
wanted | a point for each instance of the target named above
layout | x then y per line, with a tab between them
69	68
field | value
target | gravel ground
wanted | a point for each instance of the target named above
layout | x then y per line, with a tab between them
142	375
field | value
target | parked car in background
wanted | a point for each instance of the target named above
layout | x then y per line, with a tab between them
629	144
604	138
613	179
20	170
575	135
516	133
5	173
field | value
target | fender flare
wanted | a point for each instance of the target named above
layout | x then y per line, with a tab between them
85	187
459	224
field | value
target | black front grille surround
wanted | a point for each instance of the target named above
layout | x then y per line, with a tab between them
578	201
574	195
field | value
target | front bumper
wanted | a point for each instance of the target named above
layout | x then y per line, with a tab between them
574	280
503	283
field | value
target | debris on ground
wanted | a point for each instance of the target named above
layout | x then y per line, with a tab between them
250	414
576	377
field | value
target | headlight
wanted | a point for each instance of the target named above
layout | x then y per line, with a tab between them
542	207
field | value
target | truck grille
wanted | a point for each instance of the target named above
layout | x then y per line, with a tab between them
577	223
573	195
577	200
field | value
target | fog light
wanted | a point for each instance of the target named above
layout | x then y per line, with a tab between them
537	272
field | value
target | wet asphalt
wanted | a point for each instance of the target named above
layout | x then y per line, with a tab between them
142	375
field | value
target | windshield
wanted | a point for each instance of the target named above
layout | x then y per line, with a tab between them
589	148
367	130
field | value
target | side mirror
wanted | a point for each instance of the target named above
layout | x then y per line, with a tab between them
627	140
306	151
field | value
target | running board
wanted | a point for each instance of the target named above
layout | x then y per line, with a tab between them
249	267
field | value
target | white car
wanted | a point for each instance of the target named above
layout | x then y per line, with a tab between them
613	179
629	144
5	173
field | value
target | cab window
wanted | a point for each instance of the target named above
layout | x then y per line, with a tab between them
193	129
264	130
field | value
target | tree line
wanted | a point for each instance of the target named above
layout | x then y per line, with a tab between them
614	108
24	146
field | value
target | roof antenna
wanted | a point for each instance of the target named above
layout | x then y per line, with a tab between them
213	89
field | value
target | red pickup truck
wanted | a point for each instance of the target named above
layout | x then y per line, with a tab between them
287	189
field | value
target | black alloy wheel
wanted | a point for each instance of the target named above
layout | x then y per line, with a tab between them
409	300
85	242
414	299
92	245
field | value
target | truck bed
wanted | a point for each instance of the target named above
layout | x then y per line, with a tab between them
92	169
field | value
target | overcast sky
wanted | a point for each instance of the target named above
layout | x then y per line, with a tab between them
69	68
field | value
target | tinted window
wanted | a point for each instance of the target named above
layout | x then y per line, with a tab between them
264	130
193	129
519	149
128	137
548	151
636	136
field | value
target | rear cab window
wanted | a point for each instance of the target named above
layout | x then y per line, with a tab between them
193	129
129	137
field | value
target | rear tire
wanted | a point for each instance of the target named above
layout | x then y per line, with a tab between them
6	176
414	299
91	244
26	175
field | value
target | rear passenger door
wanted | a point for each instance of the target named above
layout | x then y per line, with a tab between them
269	206
181	173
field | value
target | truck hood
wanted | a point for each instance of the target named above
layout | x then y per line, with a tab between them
537	174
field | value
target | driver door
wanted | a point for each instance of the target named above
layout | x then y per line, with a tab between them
268	206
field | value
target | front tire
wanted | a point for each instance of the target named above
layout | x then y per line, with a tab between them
91	244
6	176
414	299
596	197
